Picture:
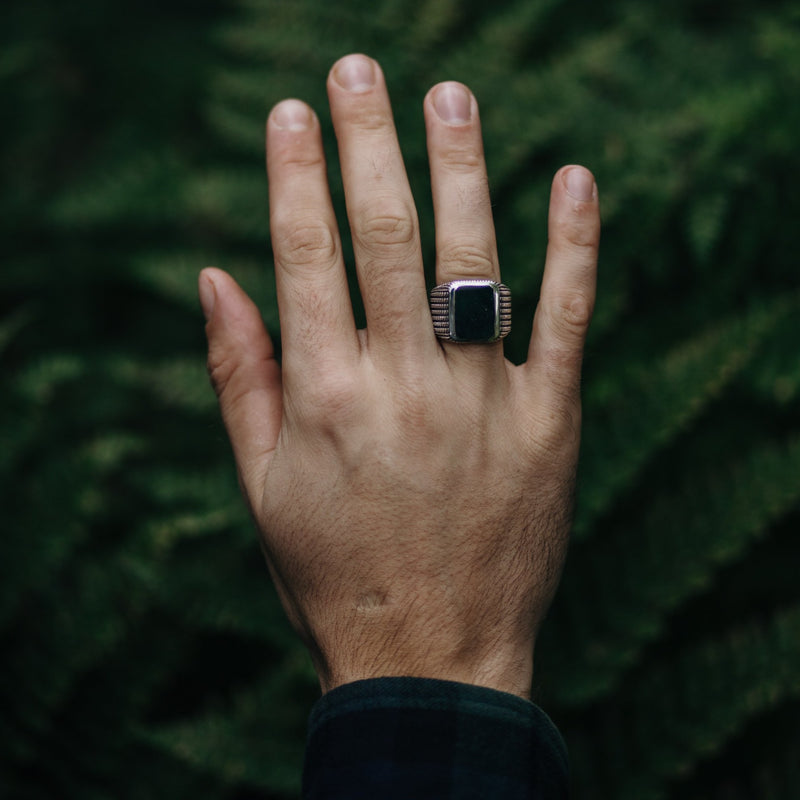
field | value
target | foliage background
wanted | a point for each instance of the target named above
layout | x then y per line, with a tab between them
143	651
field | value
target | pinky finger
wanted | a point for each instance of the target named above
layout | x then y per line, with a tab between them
568	287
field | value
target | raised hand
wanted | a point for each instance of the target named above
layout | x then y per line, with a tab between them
413	495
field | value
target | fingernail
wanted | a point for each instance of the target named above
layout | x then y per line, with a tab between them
292	115
355	73
579	184
453	103
208	296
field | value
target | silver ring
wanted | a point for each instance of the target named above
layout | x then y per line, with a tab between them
471	311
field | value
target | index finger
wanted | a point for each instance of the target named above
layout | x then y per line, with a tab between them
316	315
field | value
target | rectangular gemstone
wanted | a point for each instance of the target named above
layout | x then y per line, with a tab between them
474	313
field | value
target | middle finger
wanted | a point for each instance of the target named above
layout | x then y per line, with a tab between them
465	240
380	208
466	248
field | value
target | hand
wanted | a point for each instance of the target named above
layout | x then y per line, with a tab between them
413	496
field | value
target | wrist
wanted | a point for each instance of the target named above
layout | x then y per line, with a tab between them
511	673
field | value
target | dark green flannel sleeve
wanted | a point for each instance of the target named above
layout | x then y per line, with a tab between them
416	738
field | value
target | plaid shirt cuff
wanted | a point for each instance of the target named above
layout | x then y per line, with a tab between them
393	738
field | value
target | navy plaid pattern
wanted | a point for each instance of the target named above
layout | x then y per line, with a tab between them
417	738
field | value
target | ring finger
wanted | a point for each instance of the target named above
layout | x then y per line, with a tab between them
465	239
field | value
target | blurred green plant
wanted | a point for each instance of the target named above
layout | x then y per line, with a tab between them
144	652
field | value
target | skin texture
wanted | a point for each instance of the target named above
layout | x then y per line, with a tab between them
413	497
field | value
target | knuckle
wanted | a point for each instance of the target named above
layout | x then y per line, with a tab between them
467	258
558	431
330	400
461	160
580	228
569	316
386	223
305	243
302	159
220	367
370	119
222	371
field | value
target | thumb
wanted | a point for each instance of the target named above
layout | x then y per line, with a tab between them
244	373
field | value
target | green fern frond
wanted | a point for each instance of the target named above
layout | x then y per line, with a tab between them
148	188
236	745
234	201
646	569
688	710
630	419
